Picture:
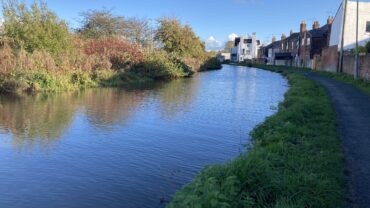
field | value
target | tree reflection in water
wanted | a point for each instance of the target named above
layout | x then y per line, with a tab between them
40	120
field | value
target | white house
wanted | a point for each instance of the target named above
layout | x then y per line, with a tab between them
245	48
350	25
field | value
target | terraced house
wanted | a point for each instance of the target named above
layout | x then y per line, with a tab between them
300	48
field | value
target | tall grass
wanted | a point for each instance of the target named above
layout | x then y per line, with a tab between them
295	161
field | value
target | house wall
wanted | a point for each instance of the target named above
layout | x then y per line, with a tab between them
364	65
328	61
350	27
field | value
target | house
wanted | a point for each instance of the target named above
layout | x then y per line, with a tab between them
348	32
300	48
271	50
312	42
245	48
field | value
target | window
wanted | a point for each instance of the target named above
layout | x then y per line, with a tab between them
303	41
308	41
292	45
243	51
368	27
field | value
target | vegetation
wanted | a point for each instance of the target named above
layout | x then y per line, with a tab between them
228	46
210	64
361	50
39	53
295	161
35	28
342	77
179	40
367	46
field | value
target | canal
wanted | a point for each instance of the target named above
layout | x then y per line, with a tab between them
131	147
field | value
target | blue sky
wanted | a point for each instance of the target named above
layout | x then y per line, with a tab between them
213	20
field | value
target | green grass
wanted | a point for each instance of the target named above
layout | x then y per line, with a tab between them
295	161
362	84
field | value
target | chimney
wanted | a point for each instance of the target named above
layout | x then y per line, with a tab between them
291	32
283	37
303	27
316	25
273	38
330	20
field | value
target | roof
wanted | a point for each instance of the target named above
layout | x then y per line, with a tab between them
292	36
273	44
322	31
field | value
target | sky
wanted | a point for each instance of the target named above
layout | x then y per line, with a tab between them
214	21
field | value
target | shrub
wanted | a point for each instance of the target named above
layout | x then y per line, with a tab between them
211	64
120	53
34	28
367	46
361	50
159	65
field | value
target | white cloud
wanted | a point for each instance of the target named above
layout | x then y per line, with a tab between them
232	36
213	44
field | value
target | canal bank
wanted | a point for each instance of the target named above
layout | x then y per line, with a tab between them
295	161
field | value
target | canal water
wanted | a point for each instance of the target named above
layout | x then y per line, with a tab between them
116	148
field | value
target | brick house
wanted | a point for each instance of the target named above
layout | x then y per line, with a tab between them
300	48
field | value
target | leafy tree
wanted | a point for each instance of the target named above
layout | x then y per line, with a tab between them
179	39
228	46
34	28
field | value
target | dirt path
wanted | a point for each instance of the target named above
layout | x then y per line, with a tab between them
353	113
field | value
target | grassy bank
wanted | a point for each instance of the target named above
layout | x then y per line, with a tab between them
295	161
342	77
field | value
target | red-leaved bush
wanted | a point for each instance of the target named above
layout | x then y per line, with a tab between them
121	54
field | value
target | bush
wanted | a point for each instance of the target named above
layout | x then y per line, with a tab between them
361	50
161	66
211	64
34	28
367	46
120	53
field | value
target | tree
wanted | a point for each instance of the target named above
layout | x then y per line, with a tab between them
103	24
97	24
179	39
228	46
34	28
139	31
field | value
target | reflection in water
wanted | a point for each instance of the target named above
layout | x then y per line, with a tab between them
36	120
106	107
116	148
177	96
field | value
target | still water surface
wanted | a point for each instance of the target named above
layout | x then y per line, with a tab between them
127	147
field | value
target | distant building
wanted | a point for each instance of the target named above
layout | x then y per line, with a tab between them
224	57
350	25
245	48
